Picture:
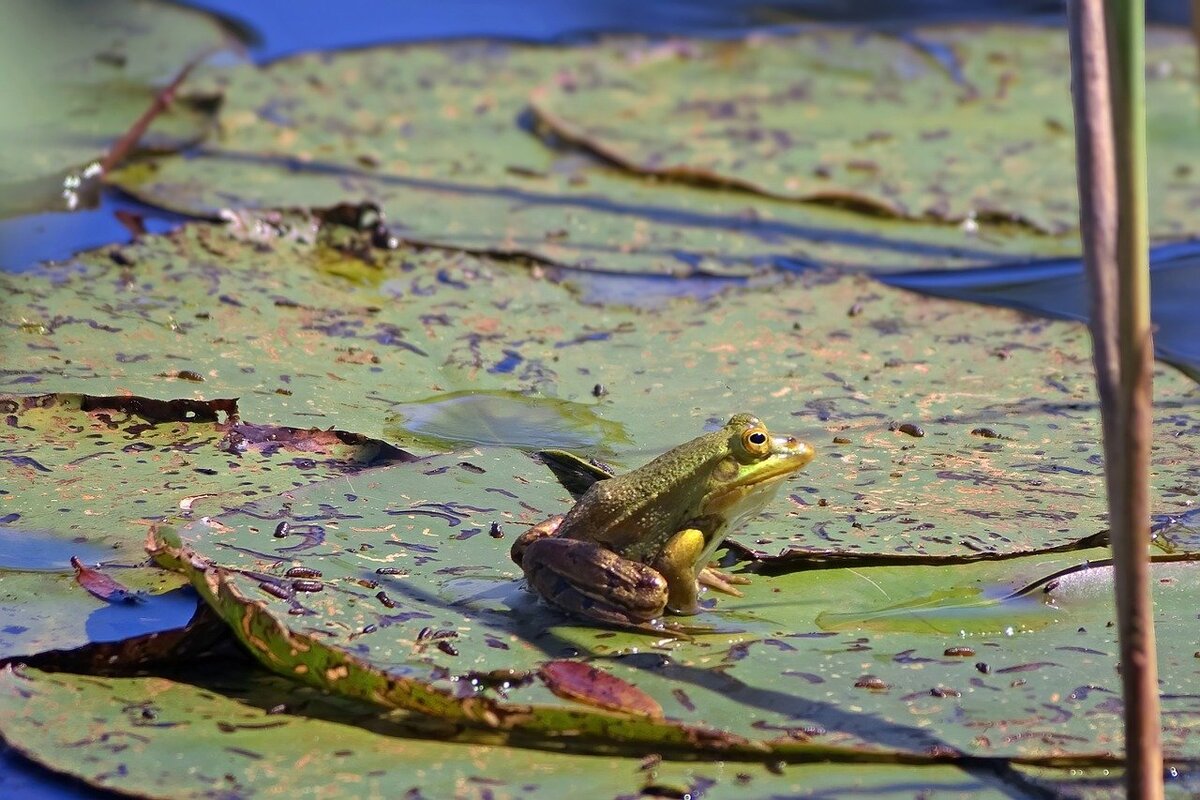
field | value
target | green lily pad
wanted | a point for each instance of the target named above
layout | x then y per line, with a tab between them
499	419
438	136
941	428
85	79
408	598
86	476
876	121
255	734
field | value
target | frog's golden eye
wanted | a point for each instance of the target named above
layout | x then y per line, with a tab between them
756	440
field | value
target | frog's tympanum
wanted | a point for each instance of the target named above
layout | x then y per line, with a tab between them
638	545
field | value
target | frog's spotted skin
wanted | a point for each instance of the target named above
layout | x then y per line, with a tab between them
637	545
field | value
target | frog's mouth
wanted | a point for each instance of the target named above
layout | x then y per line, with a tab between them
758	487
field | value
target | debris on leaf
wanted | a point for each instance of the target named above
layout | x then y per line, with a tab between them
100	585
574	680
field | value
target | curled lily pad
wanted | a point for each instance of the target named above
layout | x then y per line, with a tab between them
83	477
418	599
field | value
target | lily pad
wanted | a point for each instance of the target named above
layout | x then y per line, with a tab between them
84	476
409	598
940	427
256	734
1059	289
439	137
499	419
874	120
85	79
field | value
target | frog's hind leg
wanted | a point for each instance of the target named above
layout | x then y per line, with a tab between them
591	581
547	527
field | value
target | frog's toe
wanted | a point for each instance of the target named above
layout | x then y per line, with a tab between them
722	582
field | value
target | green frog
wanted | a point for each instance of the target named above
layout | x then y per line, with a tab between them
636	546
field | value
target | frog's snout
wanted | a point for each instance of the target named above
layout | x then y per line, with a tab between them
799	452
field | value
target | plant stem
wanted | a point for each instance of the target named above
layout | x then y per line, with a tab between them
1108	68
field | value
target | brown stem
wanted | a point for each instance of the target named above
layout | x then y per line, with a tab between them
1106	68
123	146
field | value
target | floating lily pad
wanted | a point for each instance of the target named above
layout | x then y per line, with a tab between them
408	597
503	419
85	79
310	744
439	136
84	476
875	120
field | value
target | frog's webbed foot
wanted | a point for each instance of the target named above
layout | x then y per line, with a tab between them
588	580
722	582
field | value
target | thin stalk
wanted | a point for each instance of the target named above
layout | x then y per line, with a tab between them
1196	24
1110	134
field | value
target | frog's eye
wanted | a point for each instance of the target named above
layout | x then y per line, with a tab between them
756	441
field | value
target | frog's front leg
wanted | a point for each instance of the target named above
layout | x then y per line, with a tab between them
586	579
678	564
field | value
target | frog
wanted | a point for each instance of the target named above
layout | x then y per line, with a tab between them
636	546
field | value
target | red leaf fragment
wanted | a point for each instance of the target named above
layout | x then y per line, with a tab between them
574	680
100	585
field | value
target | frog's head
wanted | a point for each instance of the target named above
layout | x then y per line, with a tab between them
752	465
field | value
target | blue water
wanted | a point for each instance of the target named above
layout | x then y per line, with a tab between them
277	30
37	550
151	614
52	236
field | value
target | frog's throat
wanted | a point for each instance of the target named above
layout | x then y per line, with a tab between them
764	484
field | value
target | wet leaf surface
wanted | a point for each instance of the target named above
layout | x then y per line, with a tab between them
949	123
415	590
1009	461
503	419
440	137
85	475
250	734
86	78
